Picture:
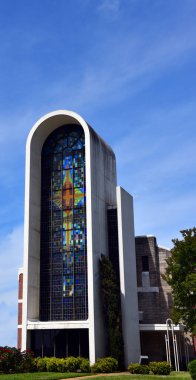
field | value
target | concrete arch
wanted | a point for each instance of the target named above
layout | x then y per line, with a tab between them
100	192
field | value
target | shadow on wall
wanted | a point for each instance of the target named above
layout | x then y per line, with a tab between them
154	295
155	302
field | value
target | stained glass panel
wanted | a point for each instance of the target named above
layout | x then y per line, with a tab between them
79	177
79	197
68	286
68	220
57	162
63	271
67	160
67	179
78	159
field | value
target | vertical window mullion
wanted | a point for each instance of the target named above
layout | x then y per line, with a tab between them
73	267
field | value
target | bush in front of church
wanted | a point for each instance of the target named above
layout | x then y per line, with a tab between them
105	365
140	369
69	364
160	368
13	360
156	368
192	369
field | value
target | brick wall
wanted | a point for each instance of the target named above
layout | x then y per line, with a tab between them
20	313
20	298
20	286
155	300
19	340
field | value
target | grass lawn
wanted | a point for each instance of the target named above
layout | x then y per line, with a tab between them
40	376
58	376
172	376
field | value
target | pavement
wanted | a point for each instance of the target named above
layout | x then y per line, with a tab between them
100	375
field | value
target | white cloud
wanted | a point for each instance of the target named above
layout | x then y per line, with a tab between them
149	166
164	218
14	128
11	253
125	66
158	169
161	143
110	5
8	325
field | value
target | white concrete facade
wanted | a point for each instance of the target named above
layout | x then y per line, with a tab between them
128	277
100	193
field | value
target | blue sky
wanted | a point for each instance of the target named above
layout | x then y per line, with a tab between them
129	68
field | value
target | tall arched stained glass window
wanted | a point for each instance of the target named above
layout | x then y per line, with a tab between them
63	255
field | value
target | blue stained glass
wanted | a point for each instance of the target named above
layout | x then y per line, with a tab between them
79	177
79	225
71	140
57	149
68	258
79	239
79	196
80	283
68	286
78	159
78	145
57	162
63	192
79	256
62	142
82	139
68	161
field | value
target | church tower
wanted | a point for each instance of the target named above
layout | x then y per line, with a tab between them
69	193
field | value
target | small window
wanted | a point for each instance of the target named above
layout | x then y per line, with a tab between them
141	316
145	264
145	279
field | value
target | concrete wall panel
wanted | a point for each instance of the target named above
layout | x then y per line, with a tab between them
100	191
128	281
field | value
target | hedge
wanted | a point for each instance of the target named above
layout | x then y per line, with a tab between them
192	369
157	368
69	364
160	368
139	369
105	365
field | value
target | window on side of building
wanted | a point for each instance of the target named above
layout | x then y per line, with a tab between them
145	272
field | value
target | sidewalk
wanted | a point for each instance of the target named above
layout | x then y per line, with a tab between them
100	375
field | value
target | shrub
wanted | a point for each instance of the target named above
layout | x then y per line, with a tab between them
112	309
61	365
160	368
85	365
72	364
139	369
192	369
40	364
27	363
51	364
105	365
10	359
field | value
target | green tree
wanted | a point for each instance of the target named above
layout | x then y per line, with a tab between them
112	309
181	276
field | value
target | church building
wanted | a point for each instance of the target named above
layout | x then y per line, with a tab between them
74	213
